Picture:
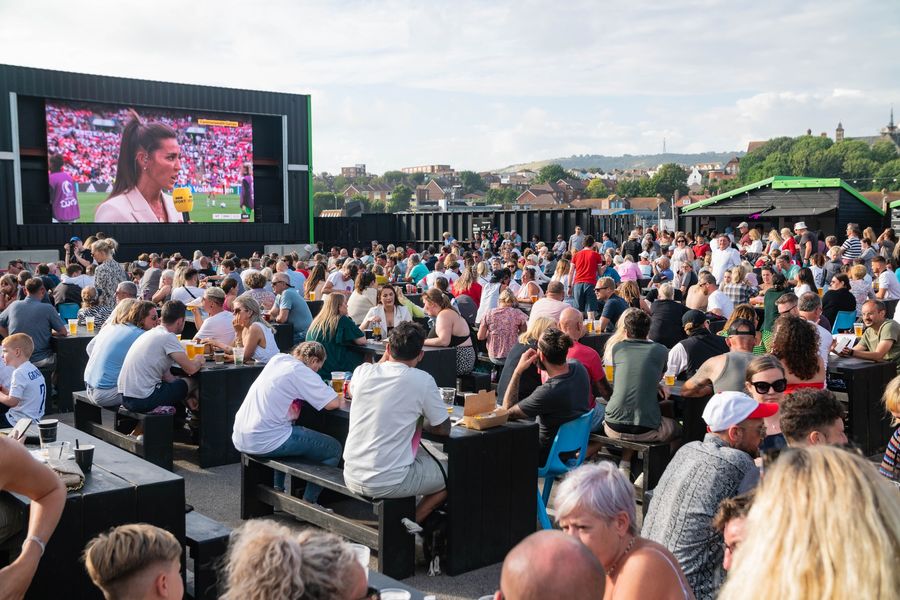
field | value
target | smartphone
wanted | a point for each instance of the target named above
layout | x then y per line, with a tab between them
21	427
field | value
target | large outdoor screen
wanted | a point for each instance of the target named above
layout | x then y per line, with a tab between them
204	174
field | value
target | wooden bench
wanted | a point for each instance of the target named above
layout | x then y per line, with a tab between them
385	533
207	543
655	459
156	446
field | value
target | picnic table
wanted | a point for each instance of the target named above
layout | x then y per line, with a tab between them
71	361
222	390
121	488
440	363
492	476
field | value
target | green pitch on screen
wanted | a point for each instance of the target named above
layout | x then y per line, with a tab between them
89	201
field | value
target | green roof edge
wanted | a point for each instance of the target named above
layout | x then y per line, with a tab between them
782	182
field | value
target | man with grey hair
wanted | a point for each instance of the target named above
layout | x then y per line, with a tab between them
810	307
125	289
551	564
665	317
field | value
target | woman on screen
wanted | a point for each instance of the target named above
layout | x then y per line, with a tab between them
149	162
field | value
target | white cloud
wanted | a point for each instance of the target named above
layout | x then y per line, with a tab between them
482	84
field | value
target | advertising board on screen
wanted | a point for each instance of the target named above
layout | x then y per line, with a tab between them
204	174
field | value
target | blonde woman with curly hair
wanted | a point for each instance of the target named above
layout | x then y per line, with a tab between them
268	561
109	273
823	524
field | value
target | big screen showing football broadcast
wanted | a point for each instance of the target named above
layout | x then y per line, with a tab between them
121	164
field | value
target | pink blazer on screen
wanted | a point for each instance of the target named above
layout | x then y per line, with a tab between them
131	207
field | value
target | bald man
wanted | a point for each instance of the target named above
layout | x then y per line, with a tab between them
571	324
551	564
551	305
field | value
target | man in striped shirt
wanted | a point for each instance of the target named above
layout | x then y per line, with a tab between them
852	247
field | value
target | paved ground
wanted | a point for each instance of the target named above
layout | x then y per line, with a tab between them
215	492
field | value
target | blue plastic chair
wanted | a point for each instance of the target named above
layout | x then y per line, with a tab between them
843	320
571	437
67	310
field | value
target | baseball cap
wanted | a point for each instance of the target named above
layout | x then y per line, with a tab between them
695	317
743	224
74	238
644	254
741	327
726	409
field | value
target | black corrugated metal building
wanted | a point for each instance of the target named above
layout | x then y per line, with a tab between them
825	205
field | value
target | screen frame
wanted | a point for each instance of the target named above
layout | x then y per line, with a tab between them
48	99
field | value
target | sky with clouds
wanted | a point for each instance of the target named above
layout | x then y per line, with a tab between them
483	84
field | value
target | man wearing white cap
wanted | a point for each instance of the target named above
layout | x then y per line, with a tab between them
808	242
744	230
700	476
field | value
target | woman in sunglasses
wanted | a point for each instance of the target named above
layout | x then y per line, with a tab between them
766	382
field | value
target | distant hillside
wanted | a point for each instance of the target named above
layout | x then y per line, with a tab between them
628	161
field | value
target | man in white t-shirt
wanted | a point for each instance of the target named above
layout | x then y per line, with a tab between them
263	424
389	397
218	325
888	285
145	380
717	302
724	257
191	290
341	280
24	398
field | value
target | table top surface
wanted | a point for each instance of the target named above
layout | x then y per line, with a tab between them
82	334
374	347
113	468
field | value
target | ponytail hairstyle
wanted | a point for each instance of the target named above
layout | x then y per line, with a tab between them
136	137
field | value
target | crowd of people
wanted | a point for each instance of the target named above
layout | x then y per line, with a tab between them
746	319
210	160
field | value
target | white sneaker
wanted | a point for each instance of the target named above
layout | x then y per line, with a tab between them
639	482
411	526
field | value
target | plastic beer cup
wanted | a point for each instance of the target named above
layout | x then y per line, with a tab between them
858	329
610	371
73	326
89	323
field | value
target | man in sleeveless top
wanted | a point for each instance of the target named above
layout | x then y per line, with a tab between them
726	372
701	344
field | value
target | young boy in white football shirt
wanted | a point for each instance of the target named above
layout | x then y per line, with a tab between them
24	398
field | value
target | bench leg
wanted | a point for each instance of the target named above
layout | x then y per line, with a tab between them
87	413
205	572
159	438
396	546
656	458
252	474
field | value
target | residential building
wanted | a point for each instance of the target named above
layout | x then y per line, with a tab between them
354	172
373	192
429	169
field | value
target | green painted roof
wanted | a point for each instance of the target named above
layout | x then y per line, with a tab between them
784	182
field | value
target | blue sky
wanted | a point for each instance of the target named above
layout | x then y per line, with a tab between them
480	85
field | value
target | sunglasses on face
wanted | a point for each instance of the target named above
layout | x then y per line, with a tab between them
763	387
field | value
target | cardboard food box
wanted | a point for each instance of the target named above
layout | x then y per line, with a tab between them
481	411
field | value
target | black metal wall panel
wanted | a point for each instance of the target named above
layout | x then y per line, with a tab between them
425	228
28	83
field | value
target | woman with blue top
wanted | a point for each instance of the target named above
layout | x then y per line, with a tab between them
106	352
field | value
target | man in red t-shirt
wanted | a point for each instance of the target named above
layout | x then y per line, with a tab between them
587	263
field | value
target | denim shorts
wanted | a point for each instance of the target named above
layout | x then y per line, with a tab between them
166	393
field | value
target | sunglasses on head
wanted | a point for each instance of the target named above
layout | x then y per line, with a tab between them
763	387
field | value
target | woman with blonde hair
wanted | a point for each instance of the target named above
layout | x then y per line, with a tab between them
631	293
823	524
90	307
617	336
531	378
595	504
774	241
109	274
268	561
338	334
253	335
889	466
